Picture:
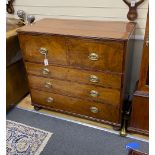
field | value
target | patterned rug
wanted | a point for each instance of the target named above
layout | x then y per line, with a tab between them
25	140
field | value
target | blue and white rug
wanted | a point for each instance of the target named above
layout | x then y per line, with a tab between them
25	140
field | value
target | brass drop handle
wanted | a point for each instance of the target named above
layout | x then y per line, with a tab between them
48	84
93	78
49	100
94	110
45	71
43	51
93	56
94	93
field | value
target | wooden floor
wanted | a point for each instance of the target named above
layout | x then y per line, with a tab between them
26	104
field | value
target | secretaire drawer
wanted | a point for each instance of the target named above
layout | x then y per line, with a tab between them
75	106
76	75
34	48
96	55
89	92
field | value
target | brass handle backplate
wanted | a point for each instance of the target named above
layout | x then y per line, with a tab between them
43	51
49	100
94	110
93	56
45	71
93	78
48	84
94	93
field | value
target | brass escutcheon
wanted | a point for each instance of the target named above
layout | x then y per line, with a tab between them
49	100
93	56
94	110
93	78
48	84
45	71
94	93
43	51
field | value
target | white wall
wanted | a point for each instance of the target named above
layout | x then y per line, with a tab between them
83	9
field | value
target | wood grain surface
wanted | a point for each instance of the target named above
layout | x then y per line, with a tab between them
82	28
75	106
105	79
106	95
139	121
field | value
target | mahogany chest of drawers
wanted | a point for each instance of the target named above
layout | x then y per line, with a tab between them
77	67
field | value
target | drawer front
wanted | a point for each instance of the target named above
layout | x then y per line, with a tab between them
96	55
89	92
33	47
88	77
76	106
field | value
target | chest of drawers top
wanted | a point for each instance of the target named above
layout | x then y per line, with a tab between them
113	30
